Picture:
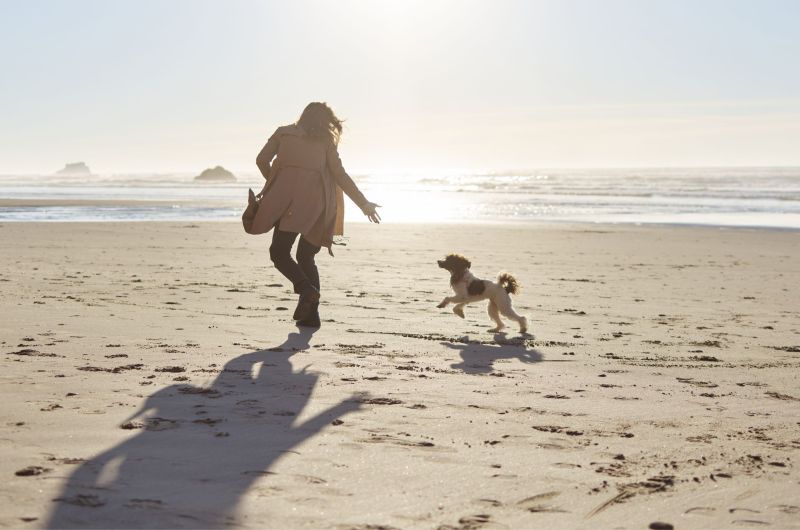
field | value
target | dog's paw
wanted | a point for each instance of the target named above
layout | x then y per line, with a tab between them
443	304
496	330
458	311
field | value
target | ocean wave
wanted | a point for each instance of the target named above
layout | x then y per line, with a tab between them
588	195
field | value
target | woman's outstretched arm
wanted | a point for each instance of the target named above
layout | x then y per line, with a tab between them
348	186
315	424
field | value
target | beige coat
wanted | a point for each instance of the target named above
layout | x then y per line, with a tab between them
304	187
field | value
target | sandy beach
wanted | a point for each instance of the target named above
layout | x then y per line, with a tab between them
153	377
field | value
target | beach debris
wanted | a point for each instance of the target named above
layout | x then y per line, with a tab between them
381	401
115	370
151	424
31	471
88	501
209	421
66	460
171	369
788	349
705	358
627	491
208	392
708	343
32	353
144	503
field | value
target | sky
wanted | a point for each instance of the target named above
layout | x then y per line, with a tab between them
180	85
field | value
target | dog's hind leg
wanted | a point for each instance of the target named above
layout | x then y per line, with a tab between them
507	310
494	314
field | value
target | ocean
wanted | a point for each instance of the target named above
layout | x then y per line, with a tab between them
766	197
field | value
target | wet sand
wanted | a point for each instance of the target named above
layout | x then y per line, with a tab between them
153	377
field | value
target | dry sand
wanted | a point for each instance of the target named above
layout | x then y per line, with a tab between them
152	377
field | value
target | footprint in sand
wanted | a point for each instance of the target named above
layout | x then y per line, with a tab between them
701	384
782	397
703	510
535	503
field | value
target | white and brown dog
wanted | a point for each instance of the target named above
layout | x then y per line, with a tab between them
470	289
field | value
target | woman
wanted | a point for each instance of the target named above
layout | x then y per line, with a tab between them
303	196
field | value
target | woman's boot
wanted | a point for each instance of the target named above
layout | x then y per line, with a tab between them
309	300
313	320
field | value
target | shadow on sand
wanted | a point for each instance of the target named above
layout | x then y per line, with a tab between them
478	357
199	449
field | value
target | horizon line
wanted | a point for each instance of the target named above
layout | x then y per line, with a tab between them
484	171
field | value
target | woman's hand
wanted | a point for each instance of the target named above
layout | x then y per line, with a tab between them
370	211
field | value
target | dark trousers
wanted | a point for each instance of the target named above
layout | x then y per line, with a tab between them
297	272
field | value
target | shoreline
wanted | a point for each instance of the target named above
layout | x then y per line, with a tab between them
532	223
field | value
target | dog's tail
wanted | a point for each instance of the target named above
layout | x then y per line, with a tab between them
508	282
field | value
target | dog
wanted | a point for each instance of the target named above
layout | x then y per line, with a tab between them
470	289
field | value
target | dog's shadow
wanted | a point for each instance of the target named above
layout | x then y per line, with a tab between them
478	357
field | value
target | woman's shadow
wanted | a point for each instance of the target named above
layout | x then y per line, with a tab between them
199	449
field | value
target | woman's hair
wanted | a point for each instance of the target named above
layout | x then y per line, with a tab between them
319	121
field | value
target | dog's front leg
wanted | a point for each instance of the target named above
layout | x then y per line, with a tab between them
447	300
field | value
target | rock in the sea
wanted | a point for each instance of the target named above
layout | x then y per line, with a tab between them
75	168
217	174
